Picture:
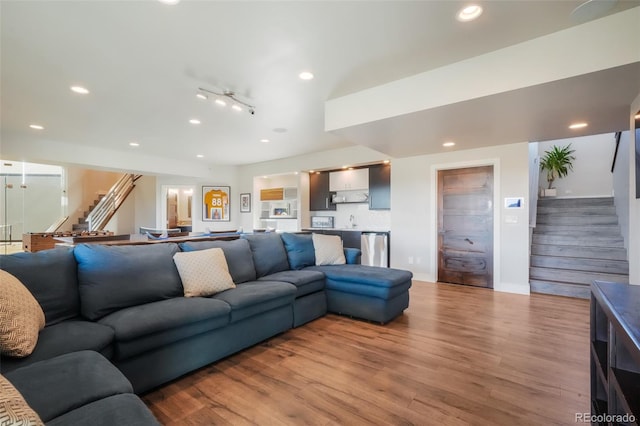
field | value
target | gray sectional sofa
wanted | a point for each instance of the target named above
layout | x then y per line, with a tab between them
126	302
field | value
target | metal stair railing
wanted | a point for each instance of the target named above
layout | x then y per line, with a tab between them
111	202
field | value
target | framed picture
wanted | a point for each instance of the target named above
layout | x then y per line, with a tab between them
215	203
245	203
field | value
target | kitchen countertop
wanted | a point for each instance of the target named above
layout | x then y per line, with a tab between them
347	229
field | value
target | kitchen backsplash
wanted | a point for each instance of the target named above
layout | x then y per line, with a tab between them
373	220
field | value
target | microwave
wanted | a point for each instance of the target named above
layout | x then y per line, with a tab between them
322	221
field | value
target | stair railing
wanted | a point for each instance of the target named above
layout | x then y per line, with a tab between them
111	202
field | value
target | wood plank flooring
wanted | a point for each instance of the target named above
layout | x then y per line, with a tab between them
459	355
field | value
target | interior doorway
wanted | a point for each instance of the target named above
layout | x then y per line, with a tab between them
177	209
465	226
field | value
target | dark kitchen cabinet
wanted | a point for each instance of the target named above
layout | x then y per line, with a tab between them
319	194
380	187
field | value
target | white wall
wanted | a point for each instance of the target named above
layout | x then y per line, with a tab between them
591	175
414	225
220	176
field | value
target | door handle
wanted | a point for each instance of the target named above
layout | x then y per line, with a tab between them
469	241
326	202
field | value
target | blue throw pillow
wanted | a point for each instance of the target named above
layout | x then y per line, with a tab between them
299	250
352	255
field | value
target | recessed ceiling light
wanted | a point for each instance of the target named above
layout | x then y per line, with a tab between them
79	89
637	117
36	126
236	107
134	144
306	75
264	140
311	171
169	2
469	13
201	96
578	125
194	121
200	156
448	144
386	161
221	102
345	167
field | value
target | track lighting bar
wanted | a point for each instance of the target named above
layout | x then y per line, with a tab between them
230	95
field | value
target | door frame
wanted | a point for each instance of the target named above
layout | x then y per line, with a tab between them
495	162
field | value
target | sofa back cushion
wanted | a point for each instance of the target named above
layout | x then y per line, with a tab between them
269	255
116	277
300	251
51	276
238	255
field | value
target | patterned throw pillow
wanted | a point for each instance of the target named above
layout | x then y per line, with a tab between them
14	410
203	272
329	250
21	317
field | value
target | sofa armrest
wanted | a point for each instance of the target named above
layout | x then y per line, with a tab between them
352	255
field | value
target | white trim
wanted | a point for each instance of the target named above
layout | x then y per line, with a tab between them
497	208
514	288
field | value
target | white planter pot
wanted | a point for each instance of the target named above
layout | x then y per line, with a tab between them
549	192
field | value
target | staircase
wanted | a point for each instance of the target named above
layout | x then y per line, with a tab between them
107	205
576	241
82	225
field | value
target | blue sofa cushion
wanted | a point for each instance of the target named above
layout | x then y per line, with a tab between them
124	409
300	251
66	337
51	276
352	255
238	255
116	277
383	283
269	255
306	282
249	299
152	325
64	383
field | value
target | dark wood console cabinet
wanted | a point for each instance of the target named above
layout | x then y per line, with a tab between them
615	353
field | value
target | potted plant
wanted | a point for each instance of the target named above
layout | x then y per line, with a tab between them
557	162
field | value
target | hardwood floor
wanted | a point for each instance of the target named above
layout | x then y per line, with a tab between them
459	355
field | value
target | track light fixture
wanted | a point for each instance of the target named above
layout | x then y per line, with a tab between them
227	96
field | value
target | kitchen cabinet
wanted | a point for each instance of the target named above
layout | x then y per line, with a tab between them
319	194
349	180
380	187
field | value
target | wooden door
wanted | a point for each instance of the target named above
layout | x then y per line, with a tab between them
172	210
465	226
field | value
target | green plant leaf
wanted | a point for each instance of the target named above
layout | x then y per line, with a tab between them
557	162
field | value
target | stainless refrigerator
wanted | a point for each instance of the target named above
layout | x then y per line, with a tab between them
375	249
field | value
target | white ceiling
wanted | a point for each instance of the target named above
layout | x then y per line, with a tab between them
143	62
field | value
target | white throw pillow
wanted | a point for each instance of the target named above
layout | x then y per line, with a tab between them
203	272
328	249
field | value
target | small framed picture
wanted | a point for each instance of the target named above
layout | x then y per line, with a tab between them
215	203
245	203
514	202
